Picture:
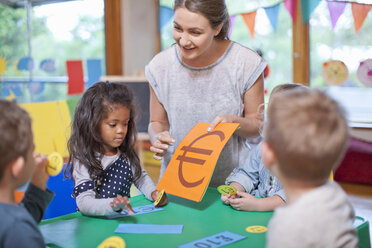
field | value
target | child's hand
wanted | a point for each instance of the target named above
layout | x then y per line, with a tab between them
121	202
40	176
161	144
163	201
246	202
226	198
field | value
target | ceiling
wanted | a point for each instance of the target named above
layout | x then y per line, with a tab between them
21	3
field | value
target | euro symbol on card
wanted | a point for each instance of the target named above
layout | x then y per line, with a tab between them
184	158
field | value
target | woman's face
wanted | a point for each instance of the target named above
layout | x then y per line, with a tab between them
194	36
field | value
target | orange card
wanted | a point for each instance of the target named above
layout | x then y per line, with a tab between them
192	165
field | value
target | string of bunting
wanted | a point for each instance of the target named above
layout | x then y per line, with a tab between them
248	8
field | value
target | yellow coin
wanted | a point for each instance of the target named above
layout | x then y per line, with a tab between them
112	242
158	198
256	229
226	189
55	164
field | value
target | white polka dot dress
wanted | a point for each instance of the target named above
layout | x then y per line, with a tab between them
117	180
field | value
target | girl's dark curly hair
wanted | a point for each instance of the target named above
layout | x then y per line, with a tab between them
86	141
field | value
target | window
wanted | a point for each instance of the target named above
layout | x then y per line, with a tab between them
35	69
342	44
326	44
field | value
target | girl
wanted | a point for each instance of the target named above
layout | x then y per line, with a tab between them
103	162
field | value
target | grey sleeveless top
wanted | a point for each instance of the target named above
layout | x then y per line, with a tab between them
198	94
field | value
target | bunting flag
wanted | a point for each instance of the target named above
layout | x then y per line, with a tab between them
75	83
360	12
165	15
291	5
232	23
335	11
272	14
94	71
307	7
250	19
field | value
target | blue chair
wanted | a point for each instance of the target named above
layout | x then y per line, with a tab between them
62	202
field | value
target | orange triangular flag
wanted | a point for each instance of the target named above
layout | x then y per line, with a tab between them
360	12
250	19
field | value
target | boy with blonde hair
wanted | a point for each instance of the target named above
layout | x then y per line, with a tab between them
305	138
17	165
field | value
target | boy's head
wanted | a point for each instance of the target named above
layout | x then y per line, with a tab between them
16	140
284	87
305	135
277	89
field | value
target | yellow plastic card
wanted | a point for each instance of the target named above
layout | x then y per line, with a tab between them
256	229
227	190
112	242
55	164
158	198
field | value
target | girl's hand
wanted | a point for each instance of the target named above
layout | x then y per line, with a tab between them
245	201
161	144
40	176
221	118
121	202
163	201
226	198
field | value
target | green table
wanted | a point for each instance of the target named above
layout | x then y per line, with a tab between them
199	220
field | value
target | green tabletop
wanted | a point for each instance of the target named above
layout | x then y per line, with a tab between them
199	220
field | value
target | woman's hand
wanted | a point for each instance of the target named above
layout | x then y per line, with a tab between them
221	118
161	144
121	202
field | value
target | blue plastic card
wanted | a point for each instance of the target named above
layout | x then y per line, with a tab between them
149	228
137	210
216	240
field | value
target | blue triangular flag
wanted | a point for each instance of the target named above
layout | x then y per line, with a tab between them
165	14
272	13
307	7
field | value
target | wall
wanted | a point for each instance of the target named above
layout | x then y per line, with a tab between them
139	37
362	133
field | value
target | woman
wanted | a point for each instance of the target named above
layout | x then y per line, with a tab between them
204	77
